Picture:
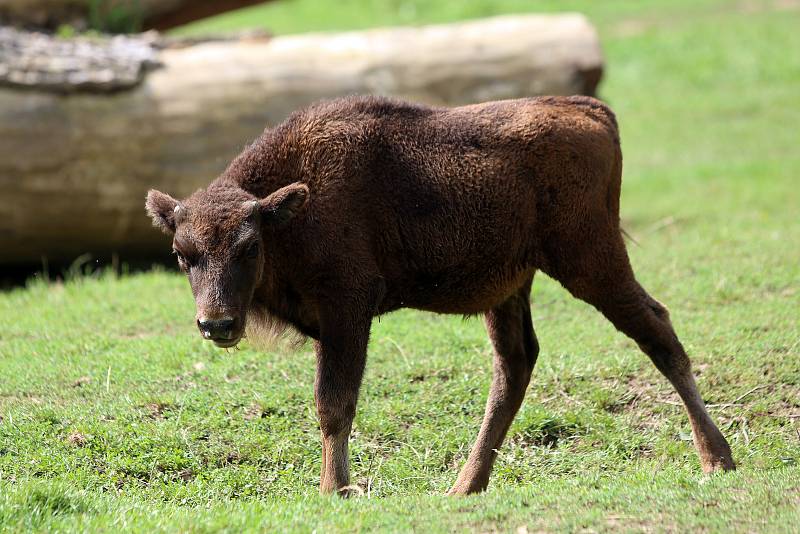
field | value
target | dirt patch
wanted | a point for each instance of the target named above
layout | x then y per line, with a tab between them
77	439
231	458
626	523
546	433
254	411
156	410
8	398
82	381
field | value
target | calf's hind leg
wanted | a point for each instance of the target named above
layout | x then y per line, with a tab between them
611	287
515	350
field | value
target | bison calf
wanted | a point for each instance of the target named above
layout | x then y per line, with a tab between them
356	207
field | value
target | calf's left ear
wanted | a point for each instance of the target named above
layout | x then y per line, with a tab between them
162	208
282	205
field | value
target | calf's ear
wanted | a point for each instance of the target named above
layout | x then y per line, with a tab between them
282	205
163	209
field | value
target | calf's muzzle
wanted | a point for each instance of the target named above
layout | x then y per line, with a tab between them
221	331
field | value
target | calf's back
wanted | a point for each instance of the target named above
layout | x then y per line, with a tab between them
454	208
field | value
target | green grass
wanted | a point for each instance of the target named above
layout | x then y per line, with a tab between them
116	416
293	16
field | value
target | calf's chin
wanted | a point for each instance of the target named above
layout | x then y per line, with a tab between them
265	331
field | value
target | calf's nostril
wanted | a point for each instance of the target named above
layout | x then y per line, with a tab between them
216	328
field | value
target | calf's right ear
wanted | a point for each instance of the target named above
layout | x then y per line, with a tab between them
282	205
162	208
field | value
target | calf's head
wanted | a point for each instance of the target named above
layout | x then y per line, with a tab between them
219	240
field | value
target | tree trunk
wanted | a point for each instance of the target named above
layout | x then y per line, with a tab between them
113	16
74	169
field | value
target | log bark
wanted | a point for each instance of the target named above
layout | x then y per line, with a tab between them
141	14
46	63
74	169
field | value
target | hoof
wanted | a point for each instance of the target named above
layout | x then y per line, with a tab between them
718	465
465	489
347	492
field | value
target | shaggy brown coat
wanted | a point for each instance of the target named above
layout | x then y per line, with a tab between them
359	206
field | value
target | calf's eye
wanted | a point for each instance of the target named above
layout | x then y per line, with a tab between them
182	262
252	251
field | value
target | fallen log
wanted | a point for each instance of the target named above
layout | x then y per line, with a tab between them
74	168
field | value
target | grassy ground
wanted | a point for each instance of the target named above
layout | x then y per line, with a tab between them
115	415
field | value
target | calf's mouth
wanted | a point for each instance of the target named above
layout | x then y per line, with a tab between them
227	343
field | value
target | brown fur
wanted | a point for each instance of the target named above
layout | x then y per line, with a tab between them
359	206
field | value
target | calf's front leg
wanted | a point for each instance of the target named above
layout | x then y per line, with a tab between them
341	356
